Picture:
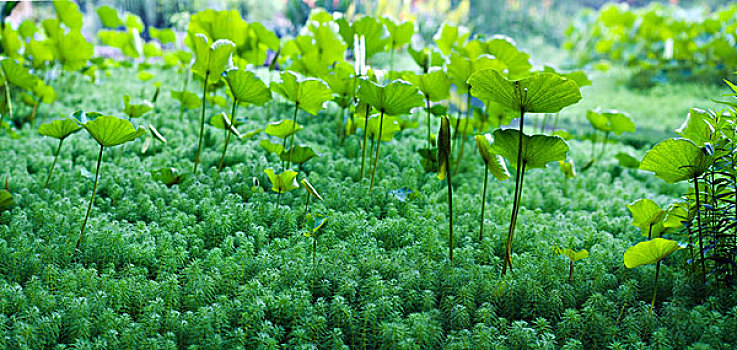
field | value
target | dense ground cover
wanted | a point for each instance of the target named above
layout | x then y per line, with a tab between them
218	260
209	261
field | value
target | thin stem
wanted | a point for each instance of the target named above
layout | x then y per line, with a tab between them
376	160
650	232
184	89
698	221
450	206
92	199
8	103
365	141
655	288
517	190
429	120
307	204
341	129
603	145
463	142
33	112
483	202
593	144
570	273
56	157
228	132
294	131
202	123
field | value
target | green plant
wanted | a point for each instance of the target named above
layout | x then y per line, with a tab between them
393	98
309	94
573	256
282	183
493	164
568	168
210	62
59	129
650	252
108	131
444	173
136	110
607	121
646	215
311	192
676	160
434	86
245	87
540	93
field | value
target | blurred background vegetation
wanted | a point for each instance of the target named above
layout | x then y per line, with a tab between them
519	19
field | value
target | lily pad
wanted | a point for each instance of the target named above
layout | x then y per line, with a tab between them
645	213
494	162
392	98
284	182
298	155
59	128
571	254
6	199
676	160
282	128
211	60
539	93
136	110
308	94
537	150
273	148
649	252
435	85
626	160
187	98
110	130
245	86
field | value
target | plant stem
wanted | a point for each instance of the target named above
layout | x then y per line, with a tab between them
33	112
603	145
56	157
517	195
8	104
294	131
376	160
228	132
307	204
427	105
698	221
448	173
202	123
483	202
181	105
650	232
92	200
655	288
365	140
593	144
341	129
570	273
460	152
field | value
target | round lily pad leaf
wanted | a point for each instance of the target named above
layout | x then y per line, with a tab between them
539	93
245	86
649	252
110	130
298	155
537	151
676	160
284	182
494	162
59	128
282	128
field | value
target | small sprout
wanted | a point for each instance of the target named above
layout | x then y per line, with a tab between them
136	110
573	256
568	168
59	129
607	121
168	176
311	192
282	183
626	160
650	252
317	225
155	135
